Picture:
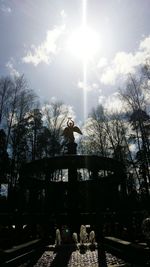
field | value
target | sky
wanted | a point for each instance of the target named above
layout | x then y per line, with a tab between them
35	40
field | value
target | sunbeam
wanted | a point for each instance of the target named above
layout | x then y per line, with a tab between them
84	22
83	43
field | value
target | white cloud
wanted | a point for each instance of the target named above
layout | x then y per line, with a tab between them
108	76
63	14
111	103
145	44
47	49
101	99
87	87
102	62
10	66
123	63
114	103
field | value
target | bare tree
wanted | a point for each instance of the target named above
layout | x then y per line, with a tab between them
95	139
17	113
35	126
6	86
136	99
19	102
55	116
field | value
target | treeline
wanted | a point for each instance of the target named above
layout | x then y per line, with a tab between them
28	132
125	135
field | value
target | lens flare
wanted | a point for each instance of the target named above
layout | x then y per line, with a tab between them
83	43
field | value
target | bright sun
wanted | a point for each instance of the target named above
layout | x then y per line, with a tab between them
83	43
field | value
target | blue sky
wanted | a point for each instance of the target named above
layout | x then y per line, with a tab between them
33	42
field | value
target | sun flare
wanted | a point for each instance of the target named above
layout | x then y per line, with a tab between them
83	43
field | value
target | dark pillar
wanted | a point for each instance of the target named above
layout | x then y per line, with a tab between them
99	232
100	241
73	201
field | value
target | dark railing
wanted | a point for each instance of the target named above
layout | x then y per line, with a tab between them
22	253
